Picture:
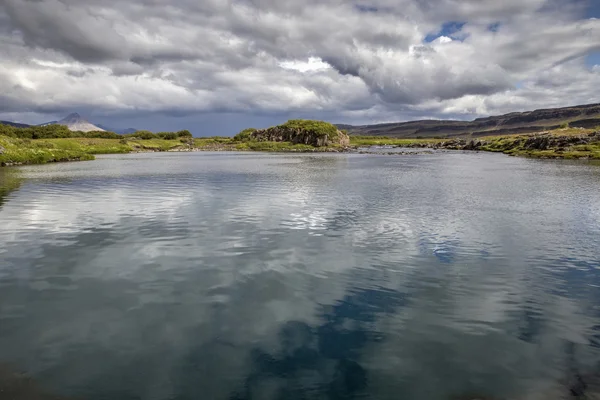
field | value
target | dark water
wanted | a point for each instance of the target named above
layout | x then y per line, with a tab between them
258	276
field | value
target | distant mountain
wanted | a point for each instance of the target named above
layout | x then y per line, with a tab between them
48	123
585	116
15	124
76	123
120	131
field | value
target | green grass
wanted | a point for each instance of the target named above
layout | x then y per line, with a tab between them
89	146
39	151
515	145
318	128
27	151
507	144
151	144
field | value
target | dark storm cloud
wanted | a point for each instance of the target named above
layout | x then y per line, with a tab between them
375	60
53	25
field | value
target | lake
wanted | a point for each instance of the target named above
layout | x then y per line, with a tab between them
312	276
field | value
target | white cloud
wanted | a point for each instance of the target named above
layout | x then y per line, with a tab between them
282	56
313	64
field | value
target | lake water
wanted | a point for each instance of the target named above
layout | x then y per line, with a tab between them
334	276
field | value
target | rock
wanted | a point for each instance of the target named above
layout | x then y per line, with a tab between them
2	150
313	133
546	141
472	145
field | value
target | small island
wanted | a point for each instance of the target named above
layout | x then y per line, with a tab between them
57	143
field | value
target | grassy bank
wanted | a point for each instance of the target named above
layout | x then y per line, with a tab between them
15	151
566	143
560	143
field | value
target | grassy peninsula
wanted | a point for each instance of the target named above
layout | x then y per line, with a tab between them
561	143
55	143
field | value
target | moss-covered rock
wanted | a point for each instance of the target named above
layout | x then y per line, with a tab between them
307	132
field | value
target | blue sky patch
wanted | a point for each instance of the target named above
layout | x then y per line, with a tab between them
448	29
593	10
592	59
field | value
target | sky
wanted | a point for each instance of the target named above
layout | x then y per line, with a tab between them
218	66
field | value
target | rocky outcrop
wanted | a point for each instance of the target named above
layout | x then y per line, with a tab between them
547	141
542	141
299	133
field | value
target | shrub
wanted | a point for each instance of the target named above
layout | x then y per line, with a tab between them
144	135
184	133
167	135
319	128
564	125
61	131
244	135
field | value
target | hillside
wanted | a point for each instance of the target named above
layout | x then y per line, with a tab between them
585	116
15	124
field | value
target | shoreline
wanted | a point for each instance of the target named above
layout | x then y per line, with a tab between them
566	143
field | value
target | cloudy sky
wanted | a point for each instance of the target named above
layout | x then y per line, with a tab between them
217	66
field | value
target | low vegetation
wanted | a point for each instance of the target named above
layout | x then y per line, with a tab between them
245	135
54	143
317	128
147	135
27	151
36	145
298	132
56	131
15	151
51	132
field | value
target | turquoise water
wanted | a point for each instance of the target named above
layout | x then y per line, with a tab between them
265	276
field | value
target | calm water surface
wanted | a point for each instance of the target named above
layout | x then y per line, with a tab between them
263	276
